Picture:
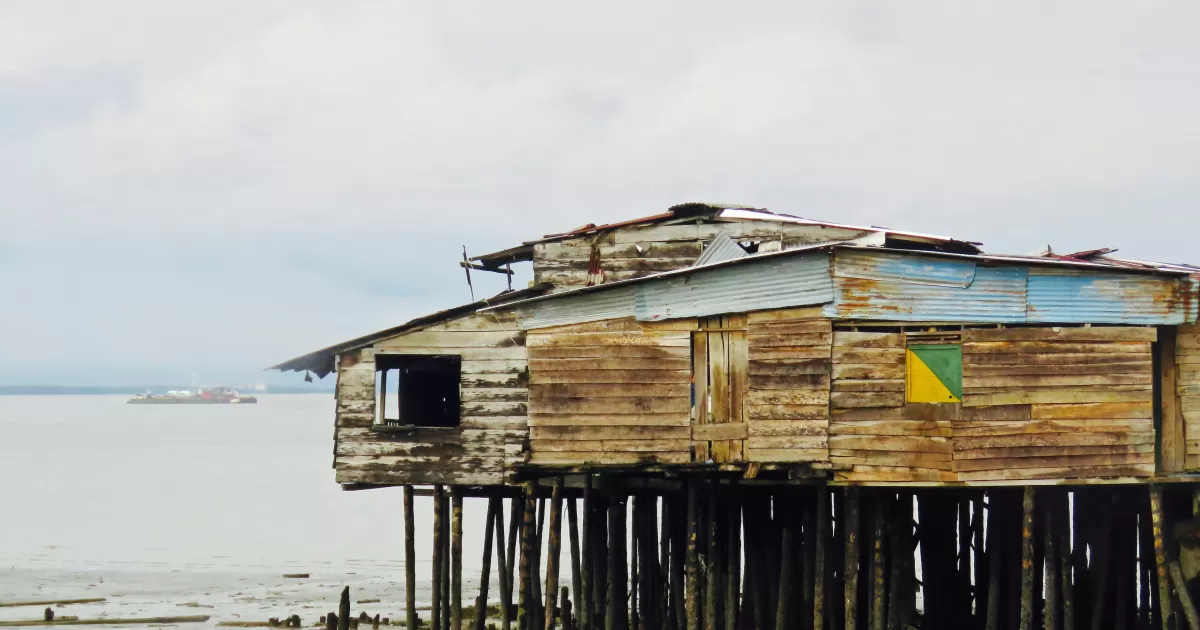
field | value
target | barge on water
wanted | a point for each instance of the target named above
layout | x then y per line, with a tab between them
202	396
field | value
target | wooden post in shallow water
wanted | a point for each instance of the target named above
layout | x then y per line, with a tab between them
787	570
878	612
410	560
525	614
712	559
1160	555
820	585
435	612
692	585
344	610
553	551
1053	585
486	572
584	601
456	559
516	516
850	570
576	569
733	560
1027	603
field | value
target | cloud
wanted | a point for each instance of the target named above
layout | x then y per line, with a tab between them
222	183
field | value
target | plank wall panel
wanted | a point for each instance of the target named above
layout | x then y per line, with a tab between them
1187	389
872	429
494	392
616	392
787	406
1048	403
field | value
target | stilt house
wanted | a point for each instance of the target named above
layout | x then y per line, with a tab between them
740	341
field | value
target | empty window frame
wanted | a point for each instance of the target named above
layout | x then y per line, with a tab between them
417	390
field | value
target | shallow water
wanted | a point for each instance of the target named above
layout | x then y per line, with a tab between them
155	506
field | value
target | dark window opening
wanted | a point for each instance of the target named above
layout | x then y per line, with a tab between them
417	390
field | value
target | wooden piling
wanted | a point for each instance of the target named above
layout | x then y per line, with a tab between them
712	569
619	576
1062	513
1185	599
502	564
850	567
1027	559
692	588
410	560
584	599
1160	556
1053	585
784	603
552	553
536	602
343	618
666	597
486	571
576	569
878	612
733	561
456	559
678	573
600	564
516	518
979	566
435	613
963	584
525	614
820	556
995	560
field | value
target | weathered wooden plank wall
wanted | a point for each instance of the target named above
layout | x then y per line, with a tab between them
614	392
490	440
639	251
1048	403
1187	390
871	428
787	408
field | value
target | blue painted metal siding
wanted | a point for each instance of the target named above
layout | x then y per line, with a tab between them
777	282
899	287
1069	296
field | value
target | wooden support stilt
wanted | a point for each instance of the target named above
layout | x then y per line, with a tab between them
753	609
820	559
435	613
897	549
850	567
1062	525
410	560
648	557
538	544
635	535
787	570
807	545
712	568
516	517
1185	599
600	564
584	600
963	583
1160	556
446	543
576	567
552	552
1027	567
995	560
1122	568
485	574
343	618
733	560
666	596
613	599
456	559
619	536
1050	544
525	614
879	592
979	565
692	587
1145	569
677	511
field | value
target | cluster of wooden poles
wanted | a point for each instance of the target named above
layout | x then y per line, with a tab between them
698	554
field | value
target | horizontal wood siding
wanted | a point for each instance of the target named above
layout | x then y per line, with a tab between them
1187	389
494	389
787	408
615	392
872	430
639	251
1051	403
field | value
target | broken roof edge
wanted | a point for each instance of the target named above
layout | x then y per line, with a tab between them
855	244
320	362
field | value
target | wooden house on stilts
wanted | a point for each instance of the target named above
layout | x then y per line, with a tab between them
774	422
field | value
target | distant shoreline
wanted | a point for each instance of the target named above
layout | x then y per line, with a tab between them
71	390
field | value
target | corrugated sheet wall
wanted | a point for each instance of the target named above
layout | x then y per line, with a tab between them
614	303
1065	295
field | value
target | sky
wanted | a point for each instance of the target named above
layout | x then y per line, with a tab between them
213	187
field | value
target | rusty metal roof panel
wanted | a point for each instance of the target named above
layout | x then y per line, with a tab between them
774	282
1069	295
900	287
577	309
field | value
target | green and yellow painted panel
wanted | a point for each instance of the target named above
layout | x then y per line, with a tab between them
934	373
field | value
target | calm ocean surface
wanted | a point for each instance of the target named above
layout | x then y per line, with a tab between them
156	506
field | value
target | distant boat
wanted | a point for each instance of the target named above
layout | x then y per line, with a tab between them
202	396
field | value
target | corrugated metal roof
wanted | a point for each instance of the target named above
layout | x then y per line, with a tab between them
882	285
765	283
577	309
1070	295
720	249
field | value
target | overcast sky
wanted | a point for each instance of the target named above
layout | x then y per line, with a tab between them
213	186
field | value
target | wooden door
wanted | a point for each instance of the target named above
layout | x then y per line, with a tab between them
720	358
